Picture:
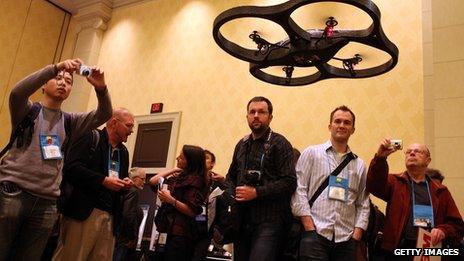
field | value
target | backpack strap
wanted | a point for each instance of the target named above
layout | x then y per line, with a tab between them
24	130
336	171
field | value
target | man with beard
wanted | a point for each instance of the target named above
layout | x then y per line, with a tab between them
413	200
262	179
333	209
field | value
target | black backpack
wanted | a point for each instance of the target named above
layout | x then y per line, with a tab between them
22	134
66	188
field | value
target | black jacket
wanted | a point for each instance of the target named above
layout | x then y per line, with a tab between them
132	216
272	154
85	171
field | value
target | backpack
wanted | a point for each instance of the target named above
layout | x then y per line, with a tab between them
23	132
373	235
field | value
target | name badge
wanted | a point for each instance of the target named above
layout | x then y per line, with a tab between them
113	170
422	216
162	238
338	188
50	147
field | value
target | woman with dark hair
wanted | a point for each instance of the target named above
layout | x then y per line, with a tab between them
182	190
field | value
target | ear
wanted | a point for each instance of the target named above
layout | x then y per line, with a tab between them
270	117
352	131
111	122
429	159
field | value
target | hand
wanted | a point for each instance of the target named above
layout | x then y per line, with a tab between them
245	193
308	223
357	234
175	172
70	65
97	79
113	183
437	235
165	196
385	149
217	177
128	183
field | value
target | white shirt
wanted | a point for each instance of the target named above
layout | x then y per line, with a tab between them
331	217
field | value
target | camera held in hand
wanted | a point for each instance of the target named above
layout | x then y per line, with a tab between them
252	178
396	144
84	70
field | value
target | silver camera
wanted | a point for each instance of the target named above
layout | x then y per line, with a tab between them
85	70
396	144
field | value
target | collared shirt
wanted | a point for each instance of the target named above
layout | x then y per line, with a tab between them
331	217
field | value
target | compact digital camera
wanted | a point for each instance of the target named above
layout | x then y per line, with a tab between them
396	144
84	70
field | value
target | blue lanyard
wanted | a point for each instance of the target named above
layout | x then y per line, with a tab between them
110	158
430	199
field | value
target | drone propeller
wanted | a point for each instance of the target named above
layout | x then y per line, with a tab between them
315	16
263	45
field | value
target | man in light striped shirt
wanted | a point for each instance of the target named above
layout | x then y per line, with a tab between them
335	221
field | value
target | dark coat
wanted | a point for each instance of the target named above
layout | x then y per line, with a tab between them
85	171
132	215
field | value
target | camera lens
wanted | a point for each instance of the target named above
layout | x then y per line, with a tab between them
85	70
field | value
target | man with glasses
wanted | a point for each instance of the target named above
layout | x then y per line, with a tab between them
262	179
98	175
30	173
413	200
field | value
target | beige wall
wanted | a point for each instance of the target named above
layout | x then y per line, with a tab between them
29	39
448	98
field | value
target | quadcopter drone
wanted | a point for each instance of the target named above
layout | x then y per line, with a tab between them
306	47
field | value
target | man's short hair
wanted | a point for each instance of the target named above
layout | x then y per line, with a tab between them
434	174
342	108
261	99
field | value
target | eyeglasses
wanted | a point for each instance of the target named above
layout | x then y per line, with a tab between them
129	125
260	112
416	151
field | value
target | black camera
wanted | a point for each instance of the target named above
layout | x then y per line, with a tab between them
252	178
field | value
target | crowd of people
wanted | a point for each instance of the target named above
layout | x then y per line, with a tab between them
59	166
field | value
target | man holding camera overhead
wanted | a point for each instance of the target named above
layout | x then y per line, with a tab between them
262	179
331	199
30	173
413	200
